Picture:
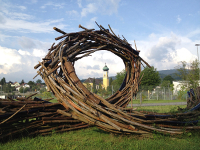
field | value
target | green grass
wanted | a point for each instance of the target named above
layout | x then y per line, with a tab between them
94	138
160	109
156	101
42	97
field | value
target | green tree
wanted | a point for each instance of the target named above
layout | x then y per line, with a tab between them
42	90
7	88
182	71
100	89
31	83
26	89
191	75
168	78
165	83
35	88
94	90
110	81
23	90
150	78
46	94
22	82
39	81
88	86
3	81
119	80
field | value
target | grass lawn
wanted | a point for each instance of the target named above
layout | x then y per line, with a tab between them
156	101
41	96
160	109
94	138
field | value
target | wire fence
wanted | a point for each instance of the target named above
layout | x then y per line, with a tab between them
160	93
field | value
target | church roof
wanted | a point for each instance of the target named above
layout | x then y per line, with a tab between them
105	68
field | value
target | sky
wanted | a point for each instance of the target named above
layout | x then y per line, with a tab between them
165	32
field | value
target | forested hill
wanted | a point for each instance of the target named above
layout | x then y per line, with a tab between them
171	72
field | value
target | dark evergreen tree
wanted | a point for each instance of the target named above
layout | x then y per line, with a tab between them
3	81
22	82
94	90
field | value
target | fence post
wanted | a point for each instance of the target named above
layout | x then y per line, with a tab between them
164	93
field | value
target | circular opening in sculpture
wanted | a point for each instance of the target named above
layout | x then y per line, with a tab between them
93	74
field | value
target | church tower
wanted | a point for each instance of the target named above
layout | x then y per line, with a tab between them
105	77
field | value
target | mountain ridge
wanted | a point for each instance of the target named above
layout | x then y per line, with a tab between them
162	73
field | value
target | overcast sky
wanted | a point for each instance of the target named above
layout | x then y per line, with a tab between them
165	31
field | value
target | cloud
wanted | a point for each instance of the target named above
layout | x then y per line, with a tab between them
2	19
72	13
36	47
39	53
18	62
79	3
90	8
34	27
91	23
13	20
34	1
107	7
26	42
195	32
163	47
178	19
95	67
165	52
22	7
55	5
21	52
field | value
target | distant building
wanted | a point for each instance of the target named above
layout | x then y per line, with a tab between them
24	85
98	82
15	84
90	82
17	88
179	84
105	77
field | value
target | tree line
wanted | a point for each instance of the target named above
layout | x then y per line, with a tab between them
34	86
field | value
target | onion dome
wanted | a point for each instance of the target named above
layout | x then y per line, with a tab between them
105	68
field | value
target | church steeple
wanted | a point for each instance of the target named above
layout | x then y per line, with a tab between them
105	76
105	68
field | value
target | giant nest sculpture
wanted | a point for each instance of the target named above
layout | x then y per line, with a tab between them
58	72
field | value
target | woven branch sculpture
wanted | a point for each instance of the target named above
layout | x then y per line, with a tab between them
57	70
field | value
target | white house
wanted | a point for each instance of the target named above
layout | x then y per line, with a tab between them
15	84
24	85
179	84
